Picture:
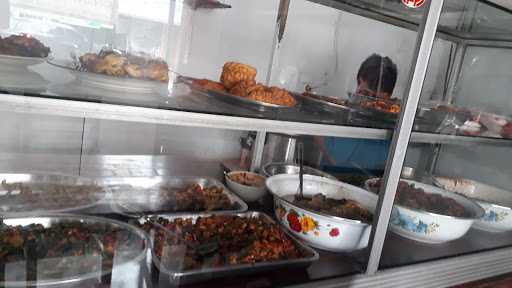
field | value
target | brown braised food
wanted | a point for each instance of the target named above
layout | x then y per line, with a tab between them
125	65
343	208
195	198
23	46
220	240
209	85
410	196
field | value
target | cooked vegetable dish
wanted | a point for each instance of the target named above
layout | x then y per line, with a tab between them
184	244
18	197
410	196
23	46
62	247
343	208
195	198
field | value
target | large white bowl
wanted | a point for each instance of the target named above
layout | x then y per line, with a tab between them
496	202
247	193
317	229
428	227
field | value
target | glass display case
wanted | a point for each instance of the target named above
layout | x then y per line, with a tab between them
311	143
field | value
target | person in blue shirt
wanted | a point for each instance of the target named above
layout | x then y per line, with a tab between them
376	77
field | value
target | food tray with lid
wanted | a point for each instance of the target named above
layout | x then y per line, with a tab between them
144	195
168	276
105	251
32	194
235	100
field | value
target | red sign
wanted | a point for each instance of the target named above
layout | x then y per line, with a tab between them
413	3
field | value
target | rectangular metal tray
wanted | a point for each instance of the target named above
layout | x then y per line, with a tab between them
168	277
141	195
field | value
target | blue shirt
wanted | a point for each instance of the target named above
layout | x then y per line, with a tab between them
366	154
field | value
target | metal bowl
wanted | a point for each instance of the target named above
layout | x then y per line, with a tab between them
286	168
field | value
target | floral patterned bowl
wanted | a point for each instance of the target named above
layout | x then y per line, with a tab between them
428	227
496	202
316	229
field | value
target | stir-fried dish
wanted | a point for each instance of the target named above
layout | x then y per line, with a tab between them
220	240
62	248
23	46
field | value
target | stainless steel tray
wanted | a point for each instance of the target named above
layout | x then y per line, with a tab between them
168	277
317	104
128	263
236	100
14	204
141	195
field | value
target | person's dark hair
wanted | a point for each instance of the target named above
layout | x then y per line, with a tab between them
378	70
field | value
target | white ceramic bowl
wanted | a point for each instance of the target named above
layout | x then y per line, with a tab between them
496	202
247	193
317	229
428	227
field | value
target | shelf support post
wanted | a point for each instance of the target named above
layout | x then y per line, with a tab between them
426	35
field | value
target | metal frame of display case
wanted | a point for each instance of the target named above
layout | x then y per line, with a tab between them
437	273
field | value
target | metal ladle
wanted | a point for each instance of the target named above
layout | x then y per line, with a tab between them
300	155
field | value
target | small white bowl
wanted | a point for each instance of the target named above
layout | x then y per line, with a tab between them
496	202
428	227
315	228
247	193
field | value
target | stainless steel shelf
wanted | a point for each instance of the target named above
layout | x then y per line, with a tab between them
82	109
394	13
71	108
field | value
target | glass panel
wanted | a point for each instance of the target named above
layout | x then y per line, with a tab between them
164	54
40	144
454	198
458	76
130	171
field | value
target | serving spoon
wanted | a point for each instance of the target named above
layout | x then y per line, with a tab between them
300	155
